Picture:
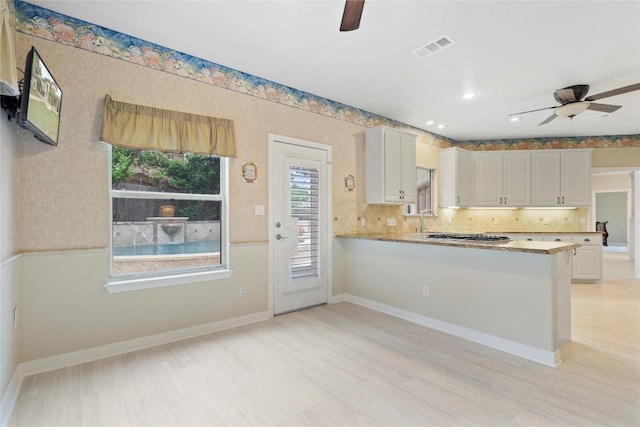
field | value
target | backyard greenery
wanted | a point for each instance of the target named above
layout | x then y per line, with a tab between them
168	173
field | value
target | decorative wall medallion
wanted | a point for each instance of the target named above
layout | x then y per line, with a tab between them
349	183
249	172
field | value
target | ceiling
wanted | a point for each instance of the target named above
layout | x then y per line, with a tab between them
514	54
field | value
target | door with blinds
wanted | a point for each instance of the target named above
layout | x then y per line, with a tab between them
299	223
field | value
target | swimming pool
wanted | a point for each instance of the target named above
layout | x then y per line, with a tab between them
204	246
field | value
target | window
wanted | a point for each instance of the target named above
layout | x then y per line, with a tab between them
168	213
424	193
424	199
304	207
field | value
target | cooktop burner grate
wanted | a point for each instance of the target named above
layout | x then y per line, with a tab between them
470	236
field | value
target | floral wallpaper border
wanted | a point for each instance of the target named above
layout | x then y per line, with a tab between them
46	24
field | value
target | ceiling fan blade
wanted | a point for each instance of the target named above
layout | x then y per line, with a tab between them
351	15
548	119
613	92
564	96
607	108
531	111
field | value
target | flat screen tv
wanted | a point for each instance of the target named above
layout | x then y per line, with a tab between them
41	100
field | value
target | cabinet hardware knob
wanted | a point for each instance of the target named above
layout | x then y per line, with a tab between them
558	199
558	240
500	200
563	200
587	240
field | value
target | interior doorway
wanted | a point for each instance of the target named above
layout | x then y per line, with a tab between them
614	208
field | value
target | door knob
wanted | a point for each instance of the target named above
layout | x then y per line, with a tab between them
279	237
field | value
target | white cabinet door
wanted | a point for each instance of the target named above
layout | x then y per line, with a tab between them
575	178
489	178
587	262
545	181
561	178
456	177
390	166
409	174
503	178
516	178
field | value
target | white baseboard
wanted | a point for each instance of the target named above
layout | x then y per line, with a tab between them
338	298
544	357
88	355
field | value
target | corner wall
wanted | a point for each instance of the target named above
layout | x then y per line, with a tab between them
62	203
8	262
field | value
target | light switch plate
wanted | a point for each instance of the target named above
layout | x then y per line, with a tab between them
391	222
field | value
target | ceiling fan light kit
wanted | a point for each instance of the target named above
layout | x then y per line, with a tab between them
572	109
573	101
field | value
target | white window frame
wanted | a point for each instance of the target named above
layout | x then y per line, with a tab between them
136	282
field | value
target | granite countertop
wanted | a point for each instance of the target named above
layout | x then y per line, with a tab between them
536	247
544	232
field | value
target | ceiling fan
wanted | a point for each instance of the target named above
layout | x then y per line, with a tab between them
573	102
351	15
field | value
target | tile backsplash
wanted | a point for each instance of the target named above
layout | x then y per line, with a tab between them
468	220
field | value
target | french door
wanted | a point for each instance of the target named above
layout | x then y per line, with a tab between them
299	223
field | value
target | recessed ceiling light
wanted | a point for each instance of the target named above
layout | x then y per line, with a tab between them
468	95
440	126
429	123
514	119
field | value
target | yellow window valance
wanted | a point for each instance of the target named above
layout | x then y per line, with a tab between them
148	128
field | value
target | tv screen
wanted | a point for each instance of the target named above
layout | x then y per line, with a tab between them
41	100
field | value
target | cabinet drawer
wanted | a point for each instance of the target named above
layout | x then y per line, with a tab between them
528	237
588	240
558	238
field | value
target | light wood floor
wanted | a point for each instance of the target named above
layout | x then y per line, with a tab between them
346	365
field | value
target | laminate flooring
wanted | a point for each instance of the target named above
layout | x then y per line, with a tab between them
344	365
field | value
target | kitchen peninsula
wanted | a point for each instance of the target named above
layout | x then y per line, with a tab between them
513	296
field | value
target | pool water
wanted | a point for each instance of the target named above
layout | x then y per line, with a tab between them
204	246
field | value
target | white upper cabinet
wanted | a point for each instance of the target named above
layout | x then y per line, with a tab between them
561	178
456	178
390	166
503	178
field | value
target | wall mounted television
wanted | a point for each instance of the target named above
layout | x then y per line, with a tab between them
41	100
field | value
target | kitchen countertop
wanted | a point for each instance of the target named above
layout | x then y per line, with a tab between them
544	232
536	247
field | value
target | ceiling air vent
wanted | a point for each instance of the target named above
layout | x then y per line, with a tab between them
433	46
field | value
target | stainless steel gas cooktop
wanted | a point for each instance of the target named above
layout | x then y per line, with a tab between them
478	237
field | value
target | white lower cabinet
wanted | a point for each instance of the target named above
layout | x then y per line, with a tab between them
587	260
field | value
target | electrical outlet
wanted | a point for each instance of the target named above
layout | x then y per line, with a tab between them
391	222
259	210
545	220
496	220
425	290
243	291
363	222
